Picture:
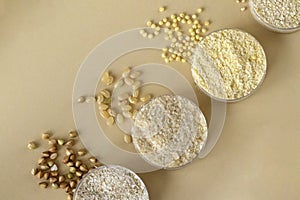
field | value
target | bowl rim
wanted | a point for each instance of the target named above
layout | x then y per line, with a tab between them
225	100
267	25
197	155
114	167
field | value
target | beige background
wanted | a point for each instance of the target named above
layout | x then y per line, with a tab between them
42	44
